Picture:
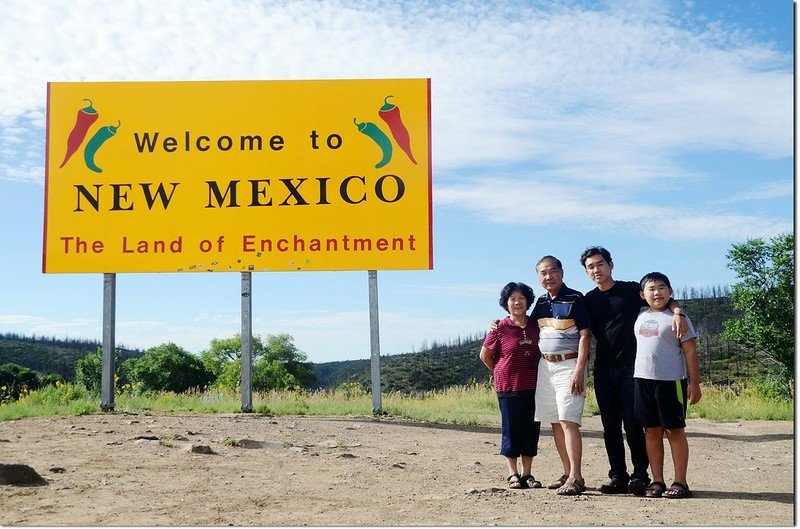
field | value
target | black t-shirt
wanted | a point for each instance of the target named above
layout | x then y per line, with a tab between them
613	314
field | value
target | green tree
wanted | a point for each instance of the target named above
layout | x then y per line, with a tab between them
168	367
765	295
277	363
15	379
224	352
281	348
272	374
89	370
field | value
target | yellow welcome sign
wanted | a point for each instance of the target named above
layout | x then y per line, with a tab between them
238	176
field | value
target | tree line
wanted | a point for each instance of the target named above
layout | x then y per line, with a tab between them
743	332
277	364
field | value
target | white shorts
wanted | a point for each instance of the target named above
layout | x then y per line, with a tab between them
554	401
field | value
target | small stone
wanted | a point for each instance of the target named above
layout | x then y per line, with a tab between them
196	448
57	470
249	443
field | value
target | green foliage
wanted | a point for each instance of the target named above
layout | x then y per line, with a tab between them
58	399
89	370
351	390
740	402
272	374
765	295
772	388
224	351
277	364
230	376
168	367
281	348
468	405
15	381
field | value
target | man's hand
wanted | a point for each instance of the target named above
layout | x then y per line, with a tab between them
577	383
493	325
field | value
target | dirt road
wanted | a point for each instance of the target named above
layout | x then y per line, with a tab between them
122	469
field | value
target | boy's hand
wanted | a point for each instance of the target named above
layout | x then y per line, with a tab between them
695	394
493	325
679	325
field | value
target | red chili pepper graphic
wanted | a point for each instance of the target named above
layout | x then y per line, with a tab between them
390	113
86	116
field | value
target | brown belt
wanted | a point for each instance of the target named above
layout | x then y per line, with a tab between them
559	358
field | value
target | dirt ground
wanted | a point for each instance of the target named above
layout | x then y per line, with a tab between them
103	470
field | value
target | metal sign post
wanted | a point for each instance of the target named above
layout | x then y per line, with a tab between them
374	343
109	318
247	343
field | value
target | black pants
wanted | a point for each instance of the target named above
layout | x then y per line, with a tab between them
520	435
613	387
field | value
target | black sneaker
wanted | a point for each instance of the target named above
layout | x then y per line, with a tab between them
637	487
613	487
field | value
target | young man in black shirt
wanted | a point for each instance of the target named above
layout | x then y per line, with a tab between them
613	307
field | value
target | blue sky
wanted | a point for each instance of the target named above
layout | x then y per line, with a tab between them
661	130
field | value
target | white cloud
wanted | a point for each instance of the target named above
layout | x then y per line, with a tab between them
510	81
765	191
20	319
598	208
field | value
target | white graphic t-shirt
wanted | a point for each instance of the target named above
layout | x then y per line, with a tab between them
658	350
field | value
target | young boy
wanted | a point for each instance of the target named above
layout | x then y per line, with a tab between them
661	388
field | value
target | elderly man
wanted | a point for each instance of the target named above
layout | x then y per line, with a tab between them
564	339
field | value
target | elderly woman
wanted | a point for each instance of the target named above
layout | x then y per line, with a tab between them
511	352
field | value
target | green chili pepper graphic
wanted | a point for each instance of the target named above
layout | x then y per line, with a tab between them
375	134
96	142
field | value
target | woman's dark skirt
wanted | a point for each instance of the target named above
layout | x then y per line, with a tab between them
520	432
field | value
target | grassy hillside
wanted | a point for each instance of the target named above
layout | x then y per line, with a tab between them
440	366
50	355
435	368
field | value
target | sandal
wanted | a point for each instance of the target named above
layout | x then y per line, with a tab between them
572	487
530	482
557	484
678	491
514	482
655	489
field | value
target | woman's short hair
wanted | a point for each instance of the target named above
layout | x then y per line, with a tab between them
512	287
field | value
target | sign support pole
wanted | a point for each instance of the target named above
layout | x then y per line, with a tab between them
247	342
374	343
109	320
